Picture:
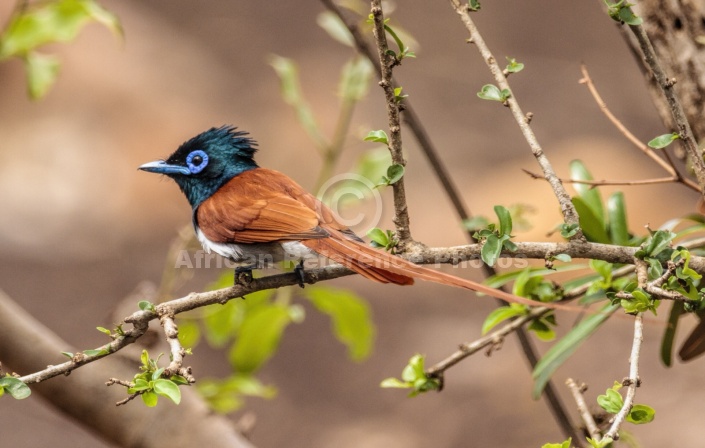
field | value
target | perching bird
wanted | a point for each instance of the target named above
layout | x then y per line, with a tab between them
256	216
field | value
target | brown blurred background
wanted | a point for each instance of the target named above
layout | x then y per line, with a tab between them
80	226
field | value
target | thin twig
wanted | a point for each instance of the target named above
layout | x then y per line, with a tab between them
570	215
387	62
667	164
666	85
585	414
595	183
632	382
491	339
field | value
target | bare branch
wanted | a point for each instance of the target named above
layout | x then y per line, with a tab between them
585	414
177	351
595	183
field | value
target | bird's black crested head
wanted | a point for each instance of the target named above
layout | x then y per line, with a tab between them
207	161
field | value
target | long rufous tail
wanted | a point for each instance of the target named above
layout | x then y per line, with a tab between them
386	268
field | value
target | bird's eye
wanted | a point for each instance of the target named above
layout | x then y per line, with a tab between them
197	160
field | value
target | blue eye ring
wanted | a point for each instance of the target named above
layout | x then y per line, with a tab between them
196	160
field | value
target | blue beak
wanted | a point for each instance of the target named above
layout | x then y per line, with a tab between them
161	167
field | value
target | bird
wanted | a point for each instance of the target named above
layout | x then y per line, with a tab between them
256	216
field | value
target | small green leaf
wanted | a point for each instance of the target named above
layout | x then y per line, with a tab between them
474	5
505	220
167	388
611	401
602	443
569	230
475	223
16	388
377	136
150	399
565	444
69	355
104	331
379	236
42	71
491	250
145	305
641	414
565	258
95	352
514	66
394	383
501	314
627	16
592	225
490	92
663	141
394	173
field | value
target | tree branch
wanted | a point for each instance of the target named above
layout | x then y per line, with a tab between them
570	215
585	414
387	62
681	122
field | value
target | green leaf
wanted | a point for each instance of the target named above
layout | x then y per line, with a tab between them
663	141
259	337
145	305
627	16
669	334
335	28
288	74
602	443
475	223
641	414
505	220
569	230
150	399
16	388
377	136
611	401
69	355
490	92
379	236
42	71
565	258
95	352
394	173
565	444
355	78
593	226
657	243
617	213
104	331
169	389
189	333
501	314
474	5
41	23
350	317
514	66
395	383
564	348
590	196
227	395
491	249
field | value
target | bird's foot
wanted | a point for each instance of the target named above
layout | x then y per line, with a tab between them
300	274
243	275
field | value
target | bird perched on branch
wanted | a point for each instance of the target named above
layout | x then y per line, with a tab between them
257	216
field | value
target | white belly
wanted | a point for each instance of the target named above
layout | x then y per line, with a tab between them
261	255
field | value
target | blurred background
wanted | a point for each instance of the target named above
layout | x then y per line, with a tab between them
80	227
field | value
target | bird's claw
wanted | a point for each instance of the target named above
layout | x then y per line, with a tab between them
243	275
300	274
